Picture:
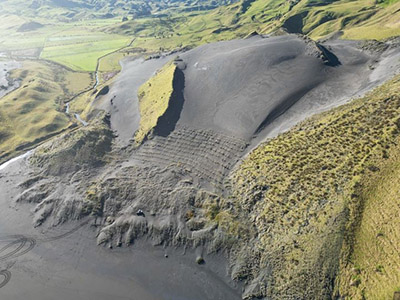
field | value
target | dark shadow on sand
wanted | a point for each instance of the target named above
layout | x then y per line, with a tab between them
284	106
332	59
167	122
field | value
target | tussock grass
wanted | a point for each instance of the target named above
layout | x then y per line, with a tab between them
301	193
374	261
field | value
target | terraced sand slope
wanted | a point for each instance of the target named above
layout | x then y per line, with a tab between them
206	155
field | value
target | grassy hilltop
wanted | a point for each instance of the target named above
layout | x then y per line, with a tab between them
36	110
154	99
362	19
78	41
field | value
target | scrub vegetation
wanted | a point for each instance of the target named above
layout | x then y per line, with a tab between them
326	189
310	214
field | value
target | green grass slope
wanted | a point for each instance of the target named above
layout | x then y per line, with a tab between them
372	269
359	19
299	196
36	109
73	10
78	43
362	19
314	211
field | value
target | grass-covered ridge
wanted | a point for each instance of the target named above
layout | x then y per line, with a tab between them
154	99
36	109
79	40
360	19
72	10
76	149
300	194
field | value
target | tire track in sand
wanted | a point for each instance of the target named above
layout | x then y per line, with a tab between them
19	245
7	276
16	246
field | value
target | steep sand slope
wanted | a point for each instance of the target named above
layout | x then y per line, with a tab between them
239	93
240	87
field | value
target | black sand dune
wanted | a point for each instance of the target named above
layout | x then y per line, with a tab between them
240	87
238	93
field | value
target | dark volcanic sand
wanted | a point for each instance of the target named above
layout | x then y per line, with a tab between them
248	89
124	108
66	265
240	87
257	87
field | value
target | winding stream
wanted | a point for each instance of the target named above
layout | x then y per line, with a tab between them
97	79
78	117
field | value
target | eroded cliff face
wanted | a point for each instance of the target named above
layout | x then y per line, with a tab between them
178	207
